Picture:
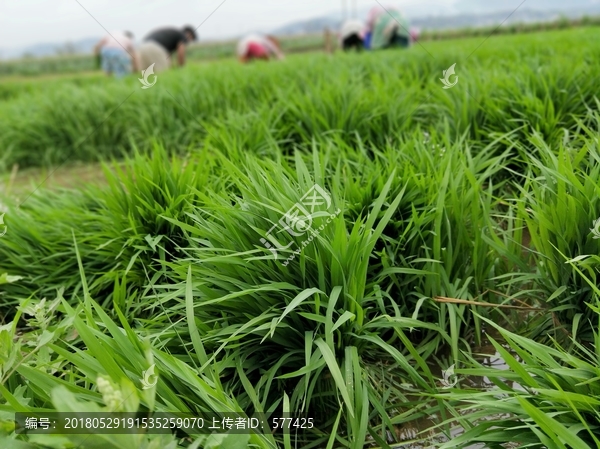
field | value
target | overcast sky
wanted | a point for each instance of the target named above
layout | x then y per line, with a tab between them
26	22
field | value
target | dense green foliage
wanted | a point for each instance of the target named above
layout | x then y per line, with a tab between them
485	193
375	99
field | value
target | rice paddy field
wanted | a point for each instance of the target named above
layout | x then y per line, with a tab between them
333	239
199	51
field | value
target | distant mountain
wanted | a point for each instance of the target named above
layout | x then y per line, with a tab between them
474	20
465	13
82	46
488	6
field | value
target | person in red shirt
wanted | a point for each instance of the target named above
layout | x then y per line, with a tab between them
255	46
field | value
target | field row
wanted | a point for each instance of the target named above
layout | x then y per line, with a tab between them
372	99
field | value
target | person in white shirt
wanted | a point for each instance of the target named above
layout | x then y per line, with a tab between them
117	54
256	46
352	35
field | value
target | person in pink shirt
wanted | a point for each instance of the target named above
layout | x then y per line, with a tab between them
374	13
117	54
255	46
387	27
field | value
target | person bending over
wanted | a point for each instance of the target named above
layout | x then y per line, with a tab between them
255	47
159	46
352	35
387	28
116	54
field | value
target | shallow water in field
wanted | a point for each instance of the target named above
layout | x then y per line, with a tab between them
416	430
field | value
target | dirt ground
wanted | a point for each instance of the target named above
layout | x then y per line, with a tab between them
24	182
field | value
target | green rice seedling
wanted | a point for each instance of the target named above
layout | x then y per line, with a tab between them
14	88
366	318
444	225
148	211
116	356
38	244
307	329
70	358
231	270
121	228
560	207
132	235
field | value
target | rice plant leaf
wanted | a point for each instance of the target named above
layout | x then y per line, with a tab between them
334	432
96	348
299	299
346	316
334	369
553	428
191	320
331	305
227	441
